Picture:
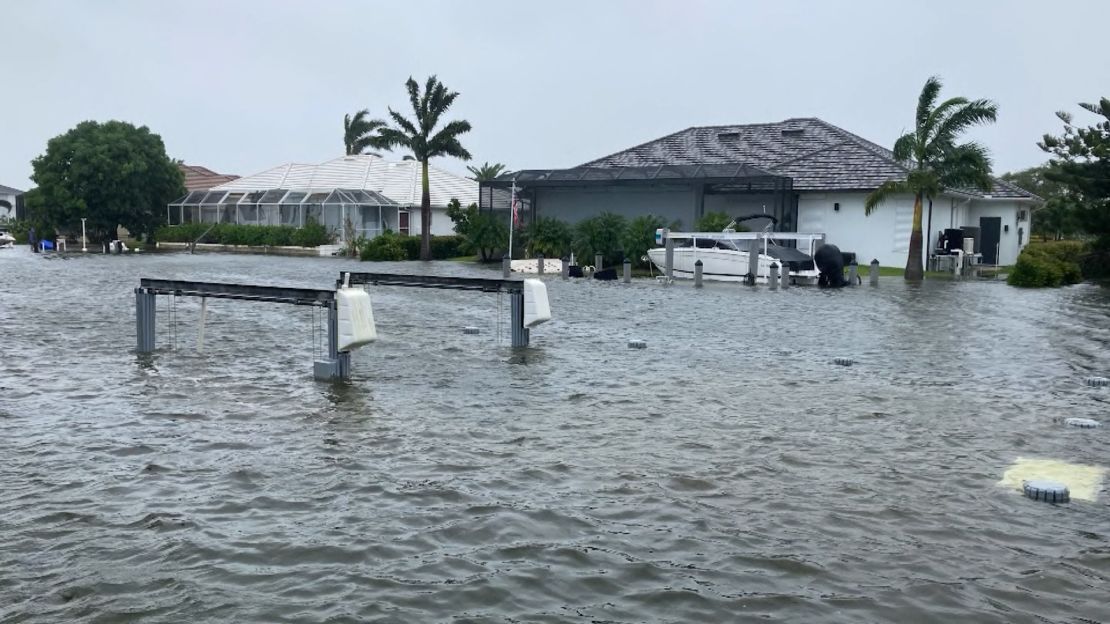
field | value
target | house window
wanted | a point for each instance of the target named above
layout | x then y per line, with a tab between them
403	223
1021	215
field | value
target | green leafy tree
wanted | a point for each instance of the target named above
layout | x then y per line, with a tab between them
935	161
1081	164
421	136
1057	218
486	171
358	132
111	173
481	233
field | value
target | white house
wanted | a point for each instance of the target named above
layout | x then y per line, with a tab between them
368	192
8	197
809	174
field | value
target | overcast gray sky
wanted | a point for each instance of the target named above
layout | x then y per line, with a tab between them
243	86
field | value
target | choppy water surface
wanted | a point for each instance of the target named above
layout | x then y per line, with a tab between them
727	473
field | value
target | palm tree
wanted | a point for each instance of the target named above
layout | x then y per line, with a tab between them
934	161
358	132
421	137
487	171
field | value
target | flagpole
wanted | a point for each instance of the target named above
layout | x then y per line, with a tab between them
512	219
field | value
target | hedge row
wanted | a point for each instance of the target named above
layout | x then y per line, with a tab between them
311	235
391	247
1048	265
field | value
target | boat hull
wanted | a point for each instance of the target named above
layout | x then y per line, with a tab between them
721	265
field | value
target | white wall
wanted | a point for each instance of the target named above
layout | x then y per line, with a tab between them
573	205
441	223
885	235
1008	247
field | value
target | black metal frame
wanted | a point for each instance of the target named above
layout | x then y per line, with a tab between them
704	179
242	292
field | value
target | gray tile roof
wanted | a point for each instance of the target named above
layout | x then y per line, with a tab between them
816	154
7	190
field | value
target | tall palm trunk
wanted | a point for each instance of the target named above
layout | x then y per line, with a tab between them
914	270
425	215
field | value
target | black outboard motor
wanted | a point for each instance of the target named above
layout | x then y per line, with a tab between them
830	262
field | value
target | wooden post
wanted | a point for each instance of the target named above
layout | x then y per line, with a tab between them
627	271
875	272
506	266
599	262
697	274
773	279
539	264
853	273
566	268
784	276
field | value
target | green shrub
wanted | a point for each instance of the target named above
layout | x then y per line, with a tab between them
551	237
1046	265
311	235
386	247
446	247
601	234
411	245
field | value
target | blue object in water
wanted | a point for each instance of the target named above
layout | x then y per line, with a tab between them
46	245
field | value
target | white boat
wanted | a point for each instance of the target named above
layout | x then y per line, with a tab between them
6	238
724	255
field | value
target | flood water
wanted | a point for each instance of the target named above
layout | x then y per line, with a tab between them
729	472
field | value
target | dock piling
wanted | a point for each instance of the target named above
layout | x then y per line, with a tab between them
773	279
506	266
784	277
668	267
566	268
853	273
599	262
753	261
697	274
875	272
539	264
519	331
144	320
627	271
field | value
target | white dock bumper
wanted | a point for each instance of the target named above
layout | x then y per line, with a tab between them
537	309
355	319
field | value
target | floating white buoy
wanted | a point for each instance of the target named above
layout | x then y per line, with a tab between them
1097	381
843	361
1082	423
1047	491
637	344
471	331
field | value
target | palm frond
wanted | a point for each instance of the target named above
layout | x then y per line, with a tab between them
905	148
390	138
403	123
972	113
938	115
927	100
965	166
885	191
